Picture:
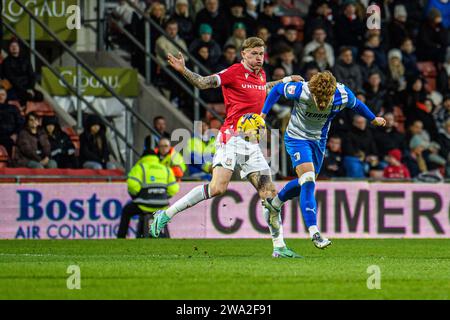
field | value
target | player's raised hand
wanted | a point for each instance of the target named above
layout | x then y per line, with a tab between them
176	63
379	122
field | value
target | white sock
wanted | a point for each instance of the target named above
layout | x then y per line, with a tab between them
277	234
313	230
193	197
277	203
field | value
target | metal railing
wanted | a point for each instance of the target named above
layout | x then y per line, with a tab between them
74	90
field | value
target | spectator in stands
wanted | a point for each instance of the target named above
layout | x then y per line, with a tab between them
388	137
145	182
151	141
415	128
157	12
288	61
396	79
185	22
418	107
94	149
201	149
264	34
395	169
414	159
333	159
397	27
11	122
368	66
17	69
171	158
218	20
375	93
237	15
320	60
360	149
251	9
442	115
409	58
347	71
350	27
207	41
164	46
126	16
268	19
290	38
238	37
374	43
33	147
320	16
62	148
433	37
319	39
228	58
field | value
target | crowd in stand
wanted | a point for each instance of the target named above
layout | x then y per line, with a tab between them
400	69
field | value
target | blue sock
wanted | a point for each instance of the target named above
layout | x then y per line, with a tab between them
308	203
289	191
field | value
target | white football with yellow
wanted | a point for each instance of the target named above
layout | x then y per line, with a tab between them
251	124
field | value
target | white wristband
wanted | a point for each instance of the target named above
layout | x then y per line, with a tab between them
287	79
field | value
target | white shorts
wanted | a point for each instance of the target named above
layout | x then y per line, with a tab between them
237	151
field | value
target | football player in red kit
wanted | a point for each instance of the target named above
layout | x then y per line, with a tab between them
244	90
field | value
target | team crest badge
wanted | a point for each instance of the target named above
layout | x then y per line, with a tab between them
261	77
291	89
246	76
228	162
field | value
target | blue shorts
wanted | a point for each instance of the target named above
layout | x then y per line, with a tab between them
302	151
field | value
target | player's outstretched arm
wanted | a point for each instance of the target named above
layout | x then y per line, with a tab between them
364	111
272	98
293	78
195	79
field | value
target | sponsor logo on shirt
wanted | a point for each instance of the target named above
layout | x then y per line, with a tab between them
253	86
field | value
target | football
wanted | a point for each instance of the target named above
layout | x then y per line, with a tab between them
251	124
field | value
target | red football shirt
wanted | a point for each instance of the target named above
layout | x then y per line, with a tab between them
243	91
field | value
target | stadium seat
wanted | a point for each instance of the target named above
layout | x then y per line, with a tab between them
4	157
74	137
218	108
41	108
293	20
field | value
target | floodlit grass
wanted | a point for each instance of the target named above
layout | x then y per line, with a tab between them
223	269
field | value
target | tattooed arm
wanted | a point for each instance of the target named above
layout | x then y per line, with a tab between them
194	78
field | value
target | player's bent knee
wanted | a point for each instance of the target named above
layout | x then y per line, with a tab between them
309	176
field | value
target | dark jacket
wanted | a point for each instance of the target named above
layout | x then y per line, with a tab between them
185	27
350	32
19	72
433	43
62	148
332	159
360	140
350	74
10	120
31	147
388	139
90	149
218	22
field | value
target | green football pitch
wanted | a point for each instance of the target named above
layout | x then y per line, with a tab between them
224	269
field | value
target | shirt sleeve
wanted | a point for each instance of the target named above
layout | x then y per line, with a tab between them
292	90
226	76
351	103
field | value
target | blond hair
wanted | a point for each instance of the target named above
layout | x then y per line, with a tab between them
252	42
322	85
